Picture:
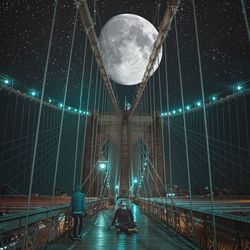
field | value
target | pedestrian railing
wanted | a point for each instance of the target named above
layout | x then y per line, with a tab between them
44	225
232	231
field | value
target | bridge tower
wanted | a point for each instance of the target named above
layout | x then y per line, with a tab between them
123	131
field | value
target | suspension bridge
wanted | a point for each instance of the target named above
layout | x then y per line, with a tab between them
184	168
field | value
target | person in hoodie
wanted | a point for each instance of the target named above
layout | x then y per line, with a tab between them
124	218
78	207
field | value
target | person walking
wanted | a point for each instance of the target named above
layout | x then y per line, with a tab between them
78	207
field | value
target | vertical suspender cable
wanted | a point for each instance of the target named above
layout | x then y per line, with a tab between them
38	125
205	125
63	109
169	128
86	120
79	114
185	127
245	18
247	129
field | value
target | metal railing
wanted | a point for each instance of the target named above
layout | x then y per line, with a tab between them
44	226
231	234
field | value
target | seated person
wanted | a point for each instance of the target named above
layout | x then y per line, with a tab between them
124	217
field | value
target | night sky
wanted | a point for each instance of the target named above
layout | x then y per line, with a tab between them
225	52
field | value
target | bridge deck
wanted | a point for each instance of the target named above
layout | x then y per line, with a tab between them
96	236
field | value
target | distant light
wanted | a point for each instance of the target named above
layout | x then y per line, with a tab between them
87	113
239	87
162	114
135	180
145	164
33	93
170	195
188	107
69	108
75	110
174	111
180	110
165	113
116	186
84	112
60	105
214	98
6	81
80	111
198	104
102	166
50	100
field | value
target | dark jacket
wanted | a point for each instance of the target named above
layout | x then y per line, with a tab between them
123	216
78	202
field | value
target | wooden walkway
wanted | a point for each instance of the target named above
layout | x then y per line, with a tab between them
96	236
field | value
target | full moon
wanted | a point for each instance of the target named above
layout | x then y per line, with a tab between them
126	42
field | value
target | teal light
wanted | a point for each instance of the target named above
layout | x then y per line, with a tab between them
69	108
33	93
60	105
239	87
87	113
174	111
116	187
50	100
180	110
165	113
6	81
103	165
188	107
214	98
198	104
135	180
80	111
75	110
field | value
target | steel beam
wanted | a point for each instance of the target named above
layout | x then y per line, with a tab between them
88	25
172	7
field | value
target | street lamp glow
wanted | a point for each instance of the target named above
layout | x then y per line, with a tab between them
135	180
174	111
6	81
188	107
214	98
198	103
75	110
60	105
239	87
33	93
180	110
116	187
69	108
102	165
50	100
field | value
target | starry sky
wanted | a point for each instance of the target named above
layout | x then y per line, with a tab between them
225	51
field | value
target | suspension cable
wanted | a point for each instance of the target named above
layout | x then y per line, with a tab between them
63	109
38	126
185	127
205	126
79	114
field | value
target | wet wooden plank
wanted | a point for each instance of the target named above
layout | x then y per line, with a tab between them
96	236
